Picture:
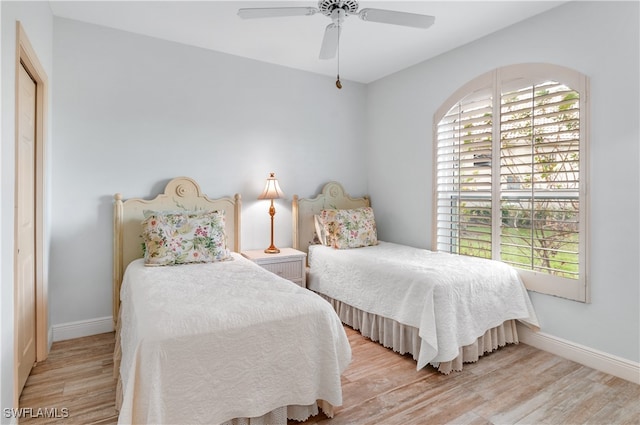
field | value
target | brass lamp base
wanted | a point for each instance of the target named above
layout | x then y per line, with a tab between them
272	248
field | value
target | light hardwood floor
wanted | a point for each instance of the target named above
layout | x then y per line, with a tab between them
77	376
517	384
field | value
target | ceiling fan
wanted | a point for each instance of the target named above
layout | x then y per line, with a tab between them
338	11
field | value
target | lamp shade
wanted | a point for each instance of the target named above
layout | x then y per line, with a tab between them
272	189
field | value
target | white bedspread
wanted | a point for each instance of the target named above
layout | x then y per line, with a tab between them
451	299
204	343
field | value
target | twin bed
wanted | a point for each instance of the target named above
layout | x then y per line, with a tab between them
208	336
218	341
443	309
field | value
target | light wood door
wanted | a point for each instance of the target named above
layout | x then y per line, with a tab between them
25	291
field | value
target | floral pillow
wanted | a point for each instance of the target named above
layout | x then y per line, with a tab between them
183	237
353	228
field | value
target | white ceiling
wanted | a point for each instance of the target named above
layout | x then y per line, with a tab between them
368	50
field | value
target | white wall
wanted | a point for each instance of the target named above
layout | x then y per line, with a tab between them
37	20
133	112
599	39
130	112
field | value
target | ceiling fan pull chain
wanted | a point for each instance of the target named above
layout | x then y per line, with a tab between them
338	83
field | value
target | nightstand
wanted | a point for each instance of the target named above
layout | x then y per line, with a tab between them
288	263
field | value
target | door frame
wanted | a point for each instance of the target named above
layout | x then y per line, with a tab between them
26	56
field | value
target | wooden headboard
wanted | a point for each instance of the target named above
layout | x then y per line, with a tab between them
303	210
181	193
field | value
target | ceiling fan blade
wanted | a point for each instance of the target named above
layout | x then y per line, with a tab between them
330	41
276	12
397	18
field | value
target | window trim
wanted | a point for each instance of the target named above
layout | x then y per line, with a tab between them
574	289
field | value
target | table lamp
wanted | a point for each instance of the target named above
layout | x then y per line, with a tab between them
272	191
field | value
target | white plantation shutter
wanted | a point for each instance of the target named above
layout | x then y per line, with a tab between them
464	176
510	174
539	178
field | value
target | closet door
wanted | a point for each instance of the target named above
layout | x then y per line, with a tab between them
25	290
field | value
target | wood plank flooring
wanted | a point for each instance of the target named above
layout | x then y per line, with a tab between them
77	376
518	384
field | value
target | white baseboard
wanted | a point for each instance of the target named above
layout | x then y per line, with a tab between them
82	328
604	362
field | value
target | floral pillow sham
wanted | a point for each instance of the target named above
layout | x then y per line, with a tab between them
183	237
353	228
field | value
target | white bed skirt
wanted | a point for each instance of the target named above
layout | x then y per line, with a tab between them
405	339
277	416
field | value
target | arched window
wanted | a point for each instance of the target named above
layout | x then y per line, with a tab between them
510	173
